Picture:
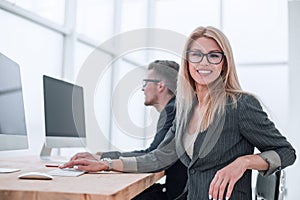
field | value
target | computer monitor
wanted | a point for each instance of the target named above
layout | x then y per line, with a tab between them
64	115
13	133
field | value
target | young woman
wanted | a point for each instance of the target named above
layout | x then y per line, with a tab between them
217	127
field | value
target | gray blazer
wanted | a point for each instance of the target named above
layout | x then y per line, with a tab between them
230	136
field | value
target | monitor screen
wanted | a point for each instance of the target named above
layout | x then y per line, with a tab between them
64	114
13	134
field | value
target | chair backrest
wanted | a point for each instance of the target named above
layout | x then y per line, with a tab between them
270	187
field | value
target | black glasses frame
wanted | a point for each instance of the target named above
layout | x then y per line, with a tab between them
205	55
145	81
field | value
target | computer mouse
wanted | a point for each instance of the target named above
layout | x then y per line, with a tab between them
35	175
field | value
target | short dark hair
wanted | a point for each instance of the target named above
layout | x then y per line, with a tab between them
166	71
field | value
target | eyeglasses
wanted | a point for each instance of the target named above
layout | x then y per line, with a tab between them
212	57
145	81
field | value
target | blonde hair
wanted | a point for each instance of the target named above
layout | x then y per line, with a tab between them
226	86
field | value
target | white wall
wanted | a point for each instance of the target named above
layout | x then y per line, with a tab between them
293	175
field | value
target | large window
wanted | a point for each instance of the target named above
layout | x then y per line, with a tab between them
95	19
53	10
185	16
38	35
133	15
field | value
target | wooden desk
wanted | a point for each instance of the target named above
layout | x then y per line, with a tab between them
108	186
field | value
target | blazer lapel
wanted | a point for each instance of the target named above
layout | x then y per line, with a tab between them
198	143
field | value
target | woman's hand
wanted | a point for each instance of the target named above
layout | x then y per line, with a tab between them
85	155
226	178
229	175
86	165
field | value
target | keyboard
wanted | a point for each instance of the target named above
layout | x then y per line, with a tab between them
66	172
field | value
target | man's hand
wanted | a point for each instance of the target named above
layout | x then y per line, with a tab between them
86	155
86	165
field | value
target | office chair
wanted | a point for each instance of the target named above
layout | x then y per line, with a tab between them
271	187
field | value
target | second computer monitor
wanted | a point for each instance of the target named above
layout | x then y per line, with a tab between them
64	114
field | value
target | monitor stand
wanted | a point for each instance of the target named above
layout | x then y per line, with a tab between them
46	155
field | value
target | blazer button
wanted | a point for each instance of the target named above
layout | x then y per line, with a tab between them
192	171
